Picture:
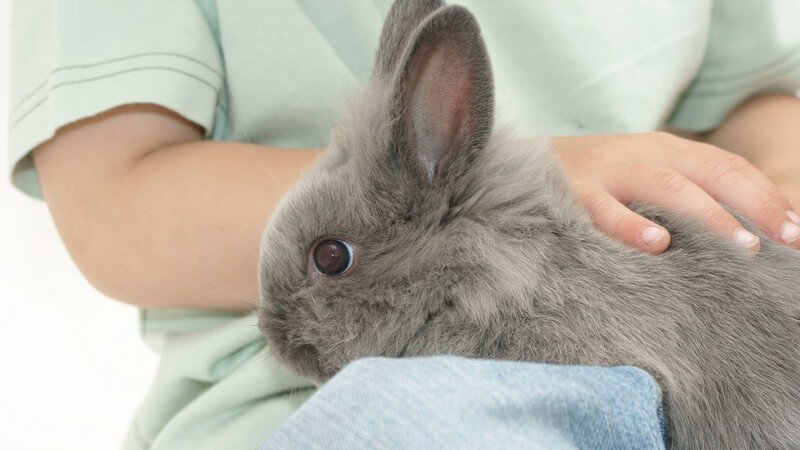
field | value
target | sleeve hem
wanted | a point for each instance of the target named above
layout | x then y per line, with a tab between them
185	88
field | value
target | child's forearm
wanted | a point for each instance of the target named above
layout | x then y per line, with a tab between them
766	130
176	226
195	216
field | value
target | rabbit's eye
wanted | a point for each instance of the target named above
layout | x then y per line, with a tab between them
332	257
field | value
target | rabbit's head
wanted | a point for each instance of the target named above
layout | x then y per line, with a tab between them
383	234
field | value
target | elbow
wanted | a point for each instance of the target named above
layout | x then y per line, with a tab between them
100	259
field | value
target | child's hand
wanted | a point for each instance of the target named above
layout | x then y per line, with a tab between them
609	172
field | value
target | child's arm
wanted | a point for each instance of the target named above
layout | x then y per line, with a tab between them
155	216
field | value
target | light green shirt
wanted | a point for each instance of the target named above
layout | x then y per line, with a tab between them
277	73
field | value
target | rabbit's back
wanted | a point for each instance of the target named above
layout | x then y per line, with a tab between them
736	361
718	326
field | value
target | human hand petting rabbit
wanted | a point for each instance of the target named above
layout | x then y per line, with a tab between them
608	172
425	231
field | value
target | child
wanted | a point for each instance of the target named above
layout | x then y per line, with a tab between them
162	134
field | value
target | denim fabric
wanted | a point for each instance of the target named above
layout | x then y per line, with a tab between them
450	402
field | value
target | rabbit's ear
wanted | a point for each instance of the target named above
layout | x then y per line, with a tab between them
443	100
403	18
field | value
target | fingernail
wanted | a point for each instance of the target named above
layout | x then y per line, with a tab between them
793	215
652	235
790	232
745	238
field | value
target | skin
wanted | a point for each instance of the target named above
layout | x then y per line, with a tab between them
690	177
164	219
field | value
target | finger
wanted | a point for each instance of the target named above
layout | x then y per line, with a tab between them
673	191
732	180
615	219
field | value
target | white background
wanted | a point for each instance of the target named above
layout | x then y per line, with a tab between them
72	366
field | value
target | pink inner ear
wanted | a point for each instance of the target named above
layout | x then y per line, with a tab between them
441	89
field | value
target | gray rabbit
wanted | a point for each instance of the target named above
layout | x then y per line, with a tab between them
424	231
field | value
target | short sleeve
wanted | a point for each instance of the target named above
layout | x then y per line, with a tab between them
753	47
74	59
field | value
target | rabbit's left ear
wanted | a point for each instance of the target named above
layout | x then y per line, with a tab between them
443	100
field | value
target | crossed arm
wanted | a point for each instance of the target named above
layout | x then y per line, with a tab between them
155	216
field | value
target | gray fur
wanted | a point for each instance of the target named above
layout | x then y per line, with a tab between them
401	21
492	257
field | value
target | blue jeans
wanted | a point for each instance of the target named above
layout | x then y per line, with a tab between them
450	402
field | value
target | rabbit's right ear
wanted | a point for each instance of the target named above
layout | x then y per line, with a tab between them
403	18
